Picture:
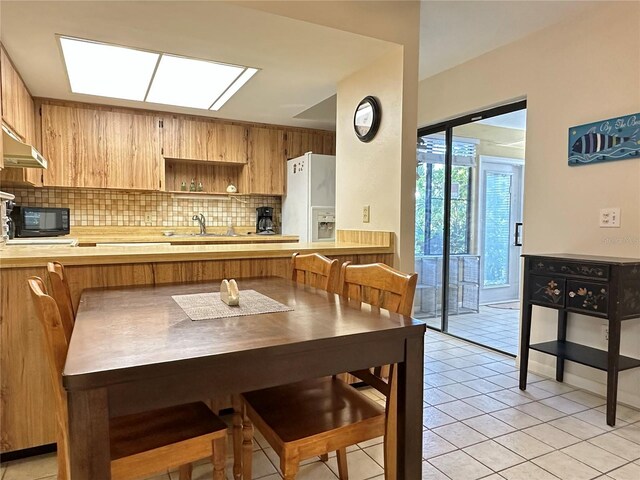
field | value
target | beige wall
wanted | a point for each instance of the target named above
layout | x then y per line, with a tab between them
580	71
381	173
369	173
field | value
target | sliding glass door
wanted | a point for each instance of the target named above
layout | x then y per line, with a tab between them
468	215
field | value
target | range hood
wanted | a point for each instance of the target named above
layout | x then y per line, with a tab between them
18	154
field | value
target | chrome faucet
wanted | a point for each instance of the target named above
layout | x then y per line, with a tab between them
230	230
202	222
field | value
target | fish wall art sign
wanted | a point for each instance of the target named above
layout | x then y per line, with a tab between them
604	141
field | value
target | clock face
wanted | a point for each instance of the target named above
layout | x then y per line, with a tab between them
367	119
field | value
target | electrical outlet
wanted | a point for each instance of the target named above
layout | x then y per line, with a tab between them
610	217
605	331
366	214
147	219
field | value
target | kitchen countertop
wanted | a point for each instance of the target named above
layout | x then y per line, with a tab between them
37	256
88	236
30	256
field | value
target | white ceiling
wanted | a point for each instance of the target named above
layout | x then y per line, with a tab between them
453	32
301	63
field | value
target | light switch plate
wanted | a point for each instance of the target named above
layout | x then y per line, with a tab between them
610	217
366	214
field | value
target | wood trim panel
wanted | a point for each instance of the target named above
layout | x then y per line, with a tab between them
365	237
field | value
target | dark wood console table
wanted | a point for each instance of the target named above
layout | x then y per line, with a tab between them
603	287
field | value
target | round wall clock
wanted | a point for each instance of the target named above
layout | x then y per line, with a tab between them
366	119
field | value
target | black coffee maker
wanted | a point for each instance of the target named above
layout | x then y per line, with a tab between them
264	221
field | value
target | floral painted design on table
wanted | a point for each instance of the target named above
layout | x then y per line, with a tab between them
551	291
613	139
590	300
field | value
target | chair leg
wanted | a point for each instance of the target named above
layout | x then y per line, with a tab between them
247	445
185	471
324	457
218	460
343	471
237	437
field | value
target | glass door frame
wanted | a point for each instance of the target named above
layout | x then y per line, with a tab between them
447	127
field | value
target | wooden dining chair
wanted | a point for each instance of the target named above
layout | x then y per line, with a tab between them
314	417
315	270
61	293
141	444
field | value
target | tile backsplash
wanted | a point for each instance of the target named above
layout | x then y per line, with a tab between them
108	208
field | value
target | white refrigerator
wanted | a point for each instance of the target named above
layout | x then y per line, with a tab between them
309	207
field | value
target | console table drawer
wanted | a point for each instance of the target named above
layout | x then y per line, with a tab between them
588	296
547	290
563	267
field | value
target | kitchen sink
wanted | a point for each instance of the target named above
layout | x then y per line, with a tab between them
189	235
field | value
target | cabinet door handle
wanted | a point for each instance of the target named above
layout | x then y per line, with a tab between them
517	240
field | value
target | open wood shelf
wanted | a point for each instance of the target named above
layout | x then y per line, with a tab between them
589	356
205	162
187	192
215	177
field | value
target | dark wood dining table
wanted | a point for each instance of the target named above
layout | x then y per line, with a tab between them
134	349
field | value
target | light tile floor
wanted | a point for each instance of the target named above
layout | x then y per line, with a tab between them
494	327
477	424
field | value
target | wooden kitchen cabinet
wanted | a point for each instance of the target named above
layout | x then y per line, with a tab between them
132	151
187	138
18	110
100	148
184	138
1	135
300	142
226	143
18	113
72	142
264	173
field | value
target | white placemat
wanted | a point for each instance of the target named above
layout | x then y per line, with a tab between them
208	306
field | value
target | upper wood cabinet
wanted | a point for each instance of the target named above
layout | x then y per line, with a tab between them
227	143
300	142
132	151
1	135
18	113
99	148
186	138
18	110
265	171
72	142
109	147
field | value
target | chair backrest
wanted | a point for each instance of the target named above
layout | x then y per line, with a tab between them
379	285
315	270
56	346
385	287
62	295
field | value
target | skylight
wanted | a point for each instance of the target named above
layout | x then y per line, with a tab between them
120	72
107	70
190	83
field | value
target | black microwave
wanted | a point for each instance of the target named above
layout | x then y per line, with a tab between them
40	221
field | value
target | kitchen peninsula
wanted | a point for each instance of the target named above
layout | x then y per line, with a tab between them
28	404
